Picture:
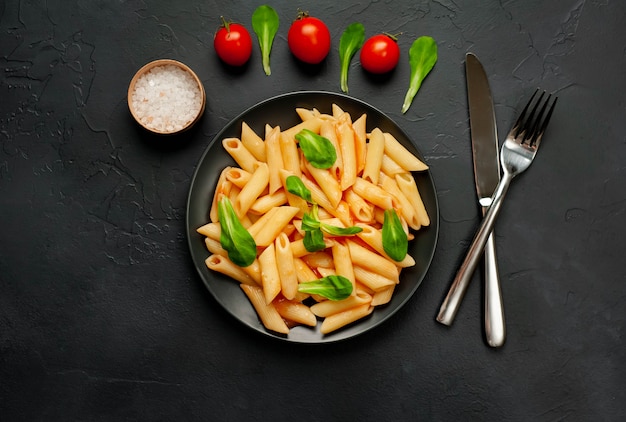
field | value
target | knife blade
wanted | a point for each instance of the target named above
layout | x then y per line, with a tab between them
486	176
482	129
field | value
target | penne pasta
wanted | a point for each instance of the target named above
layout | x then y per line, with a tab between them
343	263
372	173
348	154
253	142
266	202
374	156
325	272
274	158
304	273
372	280
327	130
318	195
223	187
290	154
215	247
240	153
210	230
299	250
311	124
372	261
360	142
267	313
337	112
287	267
293	200
250	192
270	225
331	307
223	265
373	193
305	113
270	277
383	297
319	259
390	167
327	183
238	177
360	208
296	312
253	270
374	238
407	185
404	206
336	321
398	153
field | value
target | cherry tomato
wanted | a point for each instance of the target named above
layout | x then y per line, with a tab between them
380	54
233	43
309	39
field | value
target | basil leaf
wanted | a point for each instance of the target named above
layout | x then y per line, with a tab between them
313	236
333	287
351	40
422	57
314	240
318	150
234	237
340	231
395	240
309	222
295	186
265	23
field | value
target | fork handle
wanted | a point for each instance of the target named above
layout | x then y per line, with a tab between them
451	303
495	330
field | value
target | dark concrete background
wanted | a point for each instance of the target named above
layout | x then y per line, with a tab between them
103	316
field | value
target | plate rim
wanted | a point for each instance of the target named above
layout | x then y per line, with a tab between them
333	337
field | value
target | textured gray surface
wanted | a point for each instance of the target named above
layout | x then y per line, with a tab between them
103	317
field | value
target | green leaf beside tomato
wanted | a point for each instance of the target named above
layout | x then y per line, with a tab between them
351	40
265	23
422	57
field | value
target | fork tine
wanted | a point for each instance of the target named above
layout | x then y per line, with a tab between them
529	129
531	123
539	133
517	127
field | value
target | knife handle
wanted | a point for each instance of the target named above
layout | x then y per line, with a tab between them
495	329
453	299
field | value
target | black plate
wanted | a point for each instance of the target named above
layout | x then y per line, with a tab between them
280	111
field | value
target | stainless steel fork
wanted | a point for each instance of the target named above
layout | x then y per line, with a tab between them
516	155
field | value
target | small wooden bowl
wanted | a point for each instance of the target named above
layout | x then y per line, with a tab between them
141	119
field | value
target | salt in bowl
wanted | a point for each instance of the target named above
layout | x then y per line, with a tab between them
166	97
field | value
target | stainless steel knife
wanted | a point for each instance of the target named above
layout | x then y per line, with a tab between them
486	176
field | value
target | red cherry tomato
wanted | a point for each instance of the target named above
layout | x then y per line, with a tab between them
309	39
233	44
380	54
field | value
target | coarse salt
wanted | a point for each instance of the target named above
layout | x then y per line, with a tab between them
166	98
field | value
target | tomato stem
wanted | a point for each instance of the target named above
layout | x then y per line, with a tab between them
393	36
225	23
301	14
